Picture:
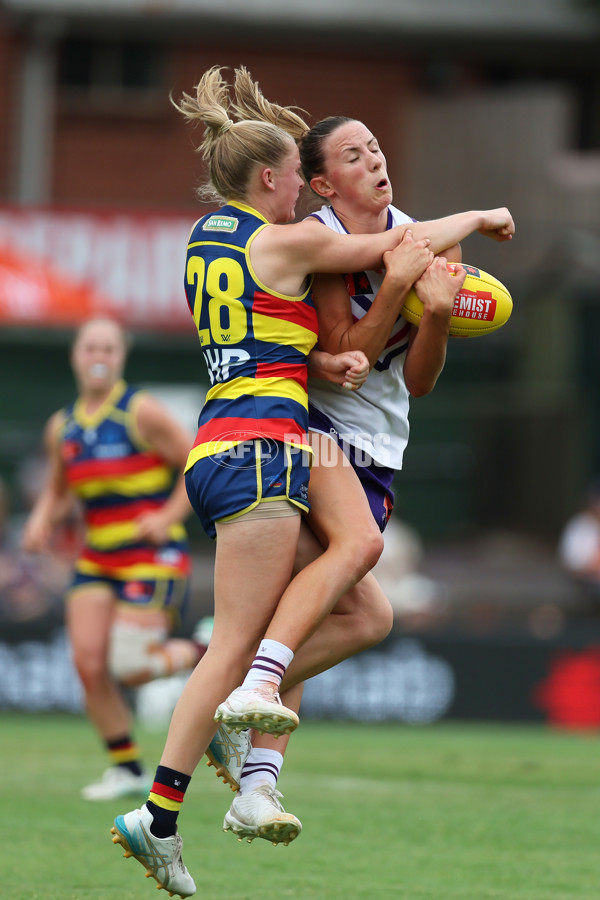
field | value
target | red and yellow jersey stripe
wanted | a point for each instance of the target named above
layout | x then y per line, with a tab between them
118	478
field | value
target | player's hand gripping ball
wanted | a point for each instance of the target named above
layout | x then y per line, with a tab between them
481	306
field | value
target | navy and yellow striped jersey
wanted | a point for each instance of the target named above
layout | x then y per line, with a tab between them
116	477
255	341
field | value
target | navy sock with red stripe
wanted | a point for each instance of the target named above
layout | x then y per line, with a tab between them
165	800
124	752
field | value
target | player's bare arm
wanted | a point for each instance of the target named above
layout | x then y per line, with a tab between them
171	441
54	502
286	254
446	232
349	369
426	354
337	329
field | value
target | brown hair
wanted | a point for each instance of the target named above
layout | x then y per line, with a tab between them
312	157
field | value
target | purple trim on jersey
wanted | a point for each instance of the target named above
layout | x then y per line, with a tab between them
317	216
375	479
390	221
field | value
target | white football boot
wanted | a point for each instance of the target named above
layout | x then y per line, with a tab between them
161	857
259	708
227	752
117	782
258	813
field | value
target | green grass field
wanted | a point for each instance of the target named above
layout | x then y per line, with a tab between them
433	813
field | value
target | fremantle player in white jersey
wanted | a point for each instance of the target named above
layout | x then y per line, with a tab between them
344	165
373	428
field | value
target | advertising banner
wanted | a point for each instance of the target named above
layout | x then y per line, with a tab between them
58	267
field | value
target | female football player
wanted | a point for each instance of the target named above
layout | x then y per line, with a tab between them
119	452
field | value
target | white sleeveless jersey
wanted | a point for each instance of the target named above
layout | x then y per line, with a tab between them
373	419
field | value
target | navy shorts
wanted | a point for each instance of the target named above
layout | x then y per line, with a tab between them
375	479
168	594
226	485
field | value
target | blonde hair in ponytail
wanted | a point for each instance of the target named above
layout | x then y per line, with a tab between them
260	134
250	103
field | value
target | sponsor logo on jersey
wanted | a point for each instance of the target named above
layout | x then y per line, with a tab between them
220	223
110	451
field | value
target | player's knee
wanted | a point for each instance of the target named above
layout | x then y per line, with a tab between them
374	547
379	622
91	668
367	615
364	550
134	653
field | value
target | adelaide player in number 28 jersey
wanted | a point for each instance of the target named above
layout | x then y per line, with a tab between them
255	342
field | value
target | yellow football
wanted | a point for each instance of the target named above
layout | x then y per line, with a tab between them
482	305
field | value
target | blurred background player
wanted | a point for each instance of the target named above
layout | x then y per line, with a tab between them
119	452
579	545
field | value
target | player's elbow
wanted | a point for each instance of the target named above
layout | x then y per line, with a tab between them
420	387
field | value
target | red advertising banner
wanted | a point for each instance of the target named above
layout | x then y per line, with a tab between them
58	267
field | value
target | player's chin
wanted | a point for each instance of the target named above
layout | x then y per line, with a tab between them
383	199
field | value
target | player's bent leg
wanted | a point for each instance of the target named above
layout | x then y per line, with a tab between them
161	857
140	650
361	619
344	524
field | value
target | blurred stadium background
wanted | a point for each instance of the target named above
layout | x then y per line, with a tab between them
476	105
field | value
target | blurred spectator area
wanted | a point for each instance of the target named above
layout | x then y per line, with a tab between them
476	105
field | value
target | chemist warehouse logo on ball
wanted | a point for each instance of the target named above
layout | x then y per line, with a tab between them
474	305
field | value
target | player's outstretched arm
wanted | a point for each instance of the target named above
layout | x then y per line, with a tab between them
446	232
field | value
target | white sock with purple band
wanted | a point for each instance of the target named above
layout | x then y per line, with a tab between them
269	666
262	767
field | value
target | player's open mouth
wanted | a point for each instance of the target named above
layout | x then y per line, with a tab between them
382	184
98	370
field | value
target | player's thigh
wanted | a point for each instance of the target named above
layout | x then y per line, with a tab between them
90	612
253	567
339	509
309	547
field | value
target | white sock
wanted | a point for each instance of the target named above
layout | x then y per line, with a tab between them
269	666
262	767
